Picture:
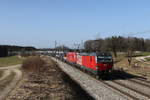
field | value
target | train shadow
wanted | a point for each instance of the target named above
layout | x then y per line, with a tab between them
120	75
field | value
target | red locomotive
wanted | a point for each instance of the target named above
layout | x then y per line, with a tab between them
97	63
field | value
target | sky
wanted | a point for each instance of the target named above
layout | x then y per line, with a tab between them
40	23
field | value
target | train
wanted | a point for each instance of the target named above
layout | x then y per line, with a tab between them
99	63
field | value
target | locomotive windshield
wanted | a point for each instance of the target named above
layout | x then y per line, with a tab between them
104	59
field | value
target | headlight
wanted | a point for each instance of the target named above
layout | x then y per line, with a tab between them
96	67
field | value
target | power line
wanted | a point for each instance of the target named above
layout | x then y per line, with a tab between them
136	33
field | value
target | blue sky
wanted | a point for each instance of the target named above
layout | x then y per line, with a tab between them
41	22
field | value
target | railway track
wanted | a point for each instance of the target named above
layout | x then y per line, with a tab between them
138	89
140	82
136	80
129	92
135	84
133	91
143	80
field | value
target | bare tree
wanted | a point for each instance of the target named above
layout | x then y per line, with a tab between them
130	50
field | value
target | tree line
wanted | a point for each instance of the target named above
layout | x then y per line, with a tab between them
4	49
18	48
117	44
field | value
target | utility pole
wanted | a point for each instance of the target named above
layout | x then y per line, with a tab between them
77	46
55	47
81	45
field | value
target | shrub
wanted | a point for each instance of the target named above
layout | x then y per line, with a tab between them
33	64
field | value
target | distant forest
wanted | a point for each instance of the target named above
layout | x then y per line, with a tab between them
118	44
114	43
4	49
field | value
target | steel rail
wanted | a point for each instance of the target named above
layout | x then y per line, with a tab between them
146	95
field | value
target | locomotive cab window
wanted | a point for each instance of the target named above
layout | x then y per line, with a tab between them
104	59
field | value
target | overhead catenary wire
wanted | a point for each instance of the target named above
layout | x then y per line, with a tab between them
135	33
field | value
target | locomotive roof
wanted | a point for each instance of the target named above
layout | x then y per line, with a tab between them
96	54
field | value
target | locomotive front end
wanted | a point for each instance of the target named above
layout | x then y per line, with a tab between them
104	63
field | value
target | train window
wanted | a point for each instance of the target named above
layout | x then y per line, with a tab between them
104	59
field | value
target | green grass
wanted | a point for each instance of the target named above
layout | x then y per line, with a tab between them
148	59
142	54
8	61
122	56
1	72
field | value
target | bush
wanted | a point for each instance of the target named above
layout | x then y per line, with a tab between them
33	64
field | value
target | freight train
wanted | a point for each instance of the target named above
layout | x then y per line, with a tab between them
99	64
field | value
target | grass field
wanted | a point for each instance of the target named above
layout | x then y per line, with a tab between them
147	59
8	61
1	72
142	54
119	56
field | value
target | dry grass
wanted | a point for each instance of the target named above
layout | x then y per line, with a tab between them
33	63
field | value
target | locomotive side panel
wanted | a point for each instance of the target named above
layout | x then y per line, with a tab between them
89	62
93	63
72	57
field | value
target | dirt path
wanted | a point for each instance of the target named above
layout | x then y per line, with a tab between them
10	86
6	73
10	67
